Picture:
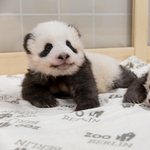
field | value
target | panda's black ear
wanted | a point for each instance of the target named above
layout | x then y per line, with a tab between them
75	29
25	42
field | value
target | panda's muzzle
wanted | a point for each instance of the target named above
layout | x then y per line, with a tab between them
62	66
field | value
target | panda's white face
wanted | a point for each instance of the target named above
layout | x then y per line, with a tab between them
54	48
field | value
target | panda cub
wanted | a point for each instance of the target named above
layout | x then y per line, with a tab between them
59	67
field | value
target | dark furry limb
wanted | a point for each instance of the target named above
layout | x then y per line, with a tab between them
136	93
36	92
83	87
40	90
125	80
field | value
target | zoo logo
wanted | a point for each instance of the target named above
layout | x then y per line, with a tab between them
92	117
127	105
7	115
114	96
96	113
9	99
126	136
120	140
123	137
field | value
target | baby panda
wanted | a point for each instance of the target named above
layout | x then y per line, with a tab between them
139	91
59	67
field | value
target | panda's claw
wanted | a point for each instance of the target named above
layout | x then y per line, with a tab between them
44	103
133	100
48	106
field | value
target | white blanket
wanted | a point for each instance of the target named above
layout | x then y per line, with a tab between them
112	126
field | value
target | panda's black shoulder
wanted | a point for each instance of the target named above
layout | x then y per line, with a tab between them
85	71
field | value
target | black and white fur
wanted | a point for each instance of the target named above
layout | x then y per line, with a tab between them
139	91
58	66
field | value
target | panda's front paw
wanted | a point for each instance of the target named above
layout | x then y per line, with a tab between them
44	103
83	106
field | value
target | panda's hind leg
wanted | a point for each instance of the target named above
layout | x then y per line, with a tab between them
125	79
136	93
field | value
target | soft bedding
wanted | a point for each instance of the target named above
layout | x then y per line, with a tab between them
112	126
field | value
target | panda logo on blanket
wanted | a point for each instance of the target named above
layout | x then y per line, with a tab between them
59	67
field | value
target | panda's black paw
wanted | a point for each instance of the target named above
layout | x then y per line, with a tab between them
44	103
133	98
83	106
136	93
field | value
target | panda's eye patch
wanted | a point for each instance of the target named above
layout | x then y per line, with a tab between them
68	43
71	47
48	47
46	50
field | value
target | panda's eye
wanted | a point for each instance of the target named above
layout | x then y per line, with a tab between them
48	47
46	50
68	43
71	47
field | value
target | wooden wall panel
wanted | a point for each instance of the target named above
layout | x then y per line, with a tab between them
13	63
140	28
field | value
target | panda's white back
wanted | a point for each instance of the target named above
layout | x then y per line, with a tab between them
105	69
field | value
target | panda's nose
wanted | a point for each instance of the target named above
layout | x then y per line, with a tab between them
63	56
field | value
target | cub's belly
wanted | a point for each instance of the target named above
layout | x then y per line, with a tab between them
60	90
